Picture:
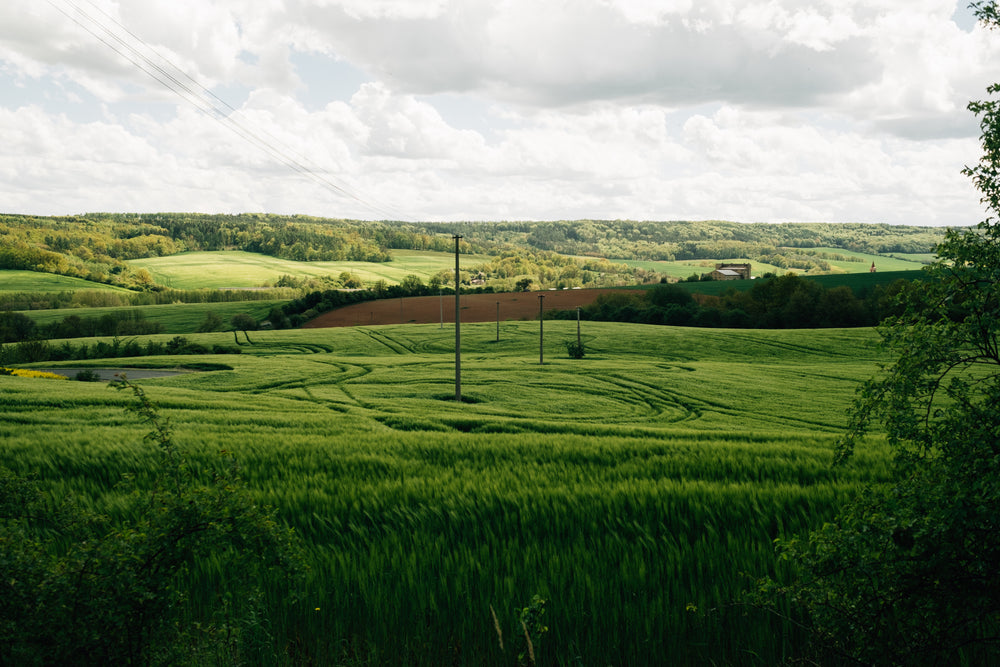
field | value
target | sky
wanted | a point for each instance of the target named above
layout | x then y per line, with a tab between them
455	110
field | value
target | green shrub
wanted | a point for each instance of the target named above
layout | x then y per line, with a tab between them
87	375
83	588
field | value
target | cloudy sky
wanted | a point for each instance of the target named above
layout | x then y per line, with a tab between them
747	110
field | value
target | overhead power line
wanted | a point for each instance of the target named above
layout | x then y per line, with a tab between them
161	69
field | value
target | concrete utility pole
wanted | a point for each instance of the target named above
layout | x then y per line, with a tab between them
458	331
541	330
579	343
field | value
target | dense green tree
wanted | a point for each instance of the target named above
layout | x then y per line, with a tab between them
243	322
15	327
909	573
669	294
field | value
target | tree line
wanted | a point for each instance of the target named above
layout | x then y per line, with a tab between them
778	302
100	298
686	240
16	327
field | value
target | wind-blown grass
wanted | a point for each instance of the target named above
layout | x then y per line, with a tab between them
638	490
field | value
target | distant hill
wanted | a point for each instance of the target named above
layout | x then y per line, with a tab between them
112	248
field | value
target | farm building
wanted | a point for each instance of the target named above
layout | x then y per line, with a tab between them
731	272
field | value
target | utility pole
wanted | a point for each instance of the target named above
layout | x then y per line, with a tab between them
579	343
541	330
458	331
498	321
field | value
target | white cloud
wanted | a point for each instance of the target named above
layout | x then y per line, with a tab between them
464	109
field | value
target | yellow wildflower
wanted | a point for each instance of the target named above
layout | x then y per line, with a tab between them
26	373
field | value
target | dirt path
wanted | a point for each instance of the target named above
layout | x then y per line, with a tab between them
474	308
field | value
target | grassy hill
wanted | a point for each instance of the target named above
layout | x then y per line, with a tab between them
637	490
35	281
236	269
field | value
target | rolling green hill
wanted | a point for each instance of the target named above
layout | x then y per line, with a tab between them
35	281
236	269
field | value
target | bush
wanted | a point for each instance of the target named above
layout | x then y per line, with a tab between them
575	349
80	588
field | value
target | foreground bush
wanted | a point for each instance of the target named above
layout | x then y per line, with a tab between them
85	588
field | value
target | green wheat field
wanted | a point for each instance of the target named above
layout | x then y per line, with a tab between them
637	490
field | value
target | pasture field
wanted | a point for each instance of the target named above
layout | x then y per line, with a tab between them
196	270
637	490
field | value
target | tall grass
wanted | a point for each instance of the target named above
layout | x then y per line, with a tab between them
637	490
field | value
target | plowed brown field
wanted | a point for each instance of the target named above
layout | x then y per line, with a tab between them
474	308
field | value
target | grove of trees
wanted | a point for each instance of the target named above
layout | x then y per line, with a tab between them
778	302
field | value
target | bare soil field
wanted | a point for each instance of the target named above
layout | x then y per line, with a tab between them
473	307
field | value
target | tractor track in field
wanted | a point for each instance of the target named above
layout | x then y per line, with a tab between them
388	341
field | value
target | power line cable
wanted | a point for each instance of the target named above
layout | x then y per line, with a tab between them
172	77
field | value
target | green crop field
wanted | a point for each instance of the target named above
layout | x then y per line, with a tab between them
637	490
196	270
35	281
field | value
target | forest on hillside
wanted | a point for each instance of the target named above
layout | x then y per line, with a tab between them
682	240
98	246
